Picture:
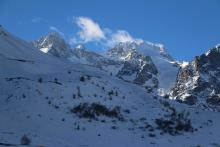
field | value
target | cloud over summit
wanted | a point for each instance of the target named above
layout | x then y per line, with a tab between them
91	31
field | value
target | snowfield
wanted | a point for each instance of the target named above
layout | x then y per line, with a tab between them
58	103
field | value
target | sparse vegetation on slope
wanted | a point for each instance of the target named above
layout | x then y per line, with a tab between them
94	110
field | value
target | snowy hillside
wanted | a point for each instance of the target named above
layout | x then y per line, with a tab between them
19	57
45	101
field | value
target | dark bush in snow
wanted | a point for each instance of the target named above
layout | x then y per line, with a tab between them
40	80
114	127
82	79
94	110
25	140
151	135
56	81
110	92
78	91
174	123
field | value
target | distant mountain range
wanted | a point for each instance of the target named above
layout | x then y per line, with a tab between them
143	63
150	66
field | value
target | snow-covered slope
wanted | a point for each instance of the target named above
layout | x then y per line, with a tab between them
19	57
58	103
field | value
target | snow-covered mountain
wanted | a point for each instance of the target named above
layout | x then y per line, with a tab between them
198	82
53	44
45	101
20	57
143	63
147	63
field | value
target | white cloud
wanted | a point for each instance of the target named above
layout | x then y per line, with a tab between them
36	20
56	30
122	36
90	30
74	41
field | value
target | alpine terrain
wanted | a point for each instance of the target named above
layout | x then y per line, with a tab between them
132	95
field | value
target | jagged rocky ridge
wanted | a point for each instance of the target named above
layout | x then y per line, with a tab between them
199	81
53	44
83	55
136	67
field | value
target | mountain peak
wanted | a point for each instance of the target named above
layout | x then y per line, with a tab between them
135	51
3	31
144	47
214	49
53	44
80	46
218	46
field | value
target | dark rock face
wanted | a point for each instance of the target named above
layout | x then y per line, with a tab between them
148	71
200	80
55	44
142	67
213	100
128	69
189	100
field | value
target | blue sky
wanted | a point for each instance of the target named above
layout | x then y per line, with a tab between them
186	27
